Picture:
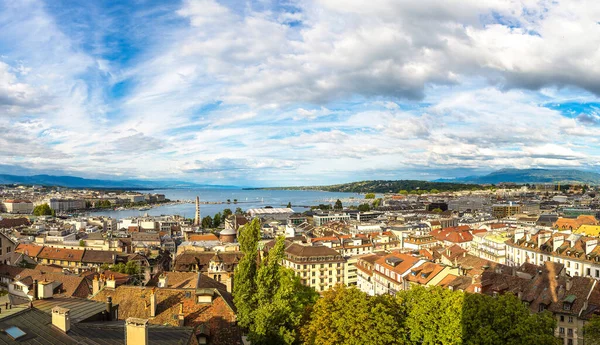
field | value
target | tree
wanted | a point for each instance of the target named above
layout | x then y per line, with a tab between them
42	210
403	192
217	220
81	243
244	289
235	201
281	301
239	211
370	196
592	331
437	210
434	191
376	203
226	213
229	201
207	222
346	315
364	207
289	205
338	205
132	268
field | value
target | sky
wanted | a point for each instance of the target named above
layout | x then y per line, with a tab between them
290	92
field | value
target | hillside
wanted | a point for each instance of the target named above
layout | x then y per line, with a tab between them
532	176
385	186
79	182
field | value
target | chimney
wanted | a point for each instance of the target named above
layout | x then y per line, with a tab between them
590	245
45	289
153	303
557	242
97	284
111	282
519	234
136	331
35	289
162	280
181	316
543	237
229	284
60	319
109	308
569	284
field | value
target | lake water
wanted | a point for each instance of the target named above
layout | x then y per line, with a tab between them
247	199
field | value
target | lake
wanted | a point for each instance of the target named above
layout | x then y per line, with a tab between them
247	199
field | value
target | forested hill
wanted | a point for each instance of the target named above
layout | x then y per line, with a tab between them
383	186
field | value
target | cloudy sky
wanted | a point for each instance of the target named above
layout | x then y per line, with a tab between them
297	92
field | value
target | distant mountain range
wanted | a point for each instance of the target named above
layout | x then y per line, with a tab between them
531	176
79	182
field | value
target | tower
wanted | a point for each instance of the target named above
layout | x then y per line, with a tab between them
197	219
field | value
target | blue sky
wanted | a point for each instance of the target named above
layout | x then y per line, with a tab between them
297	92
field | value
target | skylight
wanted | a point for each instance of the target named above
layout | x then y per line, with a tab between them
15	332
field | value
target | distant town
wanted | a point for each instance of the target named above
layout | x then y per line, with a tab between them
539	242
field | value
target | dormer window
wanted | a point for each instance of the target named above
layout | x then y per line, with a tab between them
566	306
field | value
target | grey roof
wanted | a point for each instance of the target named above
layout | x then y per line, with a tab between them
80	309
38	328
105	333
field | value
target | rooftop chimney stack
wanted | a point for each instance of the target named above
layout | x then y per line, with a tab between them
35	289
153	303
97	283
111	283
109	308
60	319
136	331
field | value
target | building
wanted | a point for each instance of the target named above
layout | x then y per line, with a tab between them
579	254
319	267
323	218
505	210
18	206
271	213
389	272
490	246
63	205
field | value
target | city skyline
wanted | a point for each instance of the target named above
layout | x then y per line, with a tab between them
297	93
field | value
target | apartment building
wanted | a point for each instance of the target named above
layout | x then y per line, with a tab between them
580	254
18	206
322	218
505	210
319	267
490	246
389	272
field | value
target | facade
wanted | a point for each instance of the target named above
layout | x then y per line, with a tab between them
18	206
62	205
319	267
389	272
320	219
490	246
579	254
505	210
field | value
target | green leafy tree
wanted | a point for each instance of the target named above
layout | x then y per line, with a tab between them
348	316
281	301
217	220
207	222
376	203
370	196
434	191
437	210
403	192
43	210
338	205
226	213
81	243
289	205
235	201
364	208
239	211
244	289
132	268
592	331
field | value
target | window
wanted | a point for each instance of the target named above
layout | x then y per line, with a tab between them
569	341
588	272
576	265
570	332
562	318
566	306
17	287
597	273
561	330
570	319
8	249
